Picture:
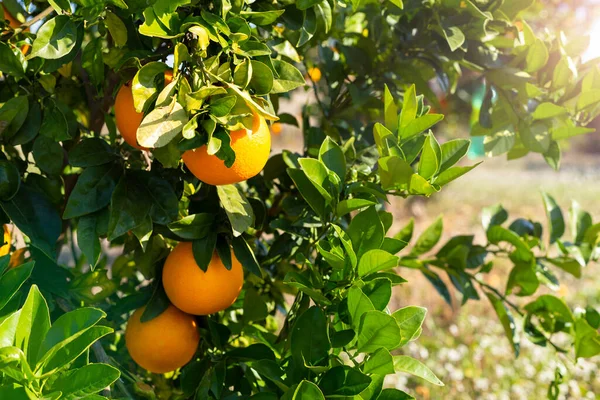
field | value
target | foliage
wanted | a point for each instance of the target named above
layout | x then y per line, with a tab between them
313	226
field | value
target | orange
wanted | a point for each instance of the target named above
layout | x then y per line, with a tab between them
164	343
128	120
197	292
276	128
251	149
12	21
315	74
5	248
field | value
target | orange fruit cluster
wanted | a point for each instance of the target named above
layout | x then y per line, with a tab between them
169	341
251	147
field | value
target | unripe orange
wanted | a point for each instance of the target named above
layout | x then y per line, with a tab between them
251	149
197	292
164	343
315	74
127	118
276	128
12	21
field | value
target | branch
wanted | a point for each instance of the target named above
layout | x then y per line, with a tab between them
40	16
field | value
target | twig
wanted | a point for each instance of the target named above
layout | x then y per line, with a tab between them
147	158
35	19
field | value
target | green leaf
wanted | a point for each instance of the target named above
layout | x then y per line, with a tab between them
221	106
409	109
262	78
548	110
581	221
33	325
54	39
454	36
144	86
93	190
453	173
204	249
409	320
91	152
91	61
309	26
415	367
376	260
68	350
309	192
379	362
332	155
262	17
420	125
500	142
377	330
117	29
506	319
537	56
238	209
497	234
555	217
394	172
522	276
305	391
8	329
379	290
390	110
587	340
394	394
70	324
366	231
157	304
88	239
346	206
85	381
343	380
566	132
12	280
452	152
358	304
429	238
430	161
309	341
36	217
9	61
306	4
162	125
245	255
195	226
129	207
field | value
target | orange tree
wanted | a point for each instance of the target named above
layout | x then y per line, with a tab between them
136	174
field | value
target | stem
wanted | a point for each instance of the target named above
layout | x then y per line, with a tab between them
35	19
496	292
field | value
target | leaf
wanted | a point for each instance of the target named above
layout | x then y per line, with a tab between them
70	324
416	368
68	350
377	329
409	320
306	4
245	255
394	394
157	304
204	249
394	172
144	87
93	190
497	234
91	152
507	321
12	280
36	217
309	26
453	173
309	341
9	62
555	217
537	56
195	226
222	106
587	339
332	155
500	142
262	17
343	380
548	110
390	110
88	240
117	29
306	391
429	238
34	322
238	209
309	192
91	61
452	152
581	221
129	207
161	125
84	381
493	215
347	206
262	78
376	260
366	231
379	362
54	39
358	304
420	125
430	161
409	109
454	36
379	290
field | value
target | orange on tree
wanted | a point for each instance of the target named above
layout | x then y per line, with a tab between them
5	245
12	21
251	149
127	118
276	128
315	74
164	343
197	292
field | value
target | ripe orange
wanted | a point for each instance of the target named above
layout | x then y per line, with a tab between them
251	149
128	120
315	74
12	21
5	248
164	343
197	292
